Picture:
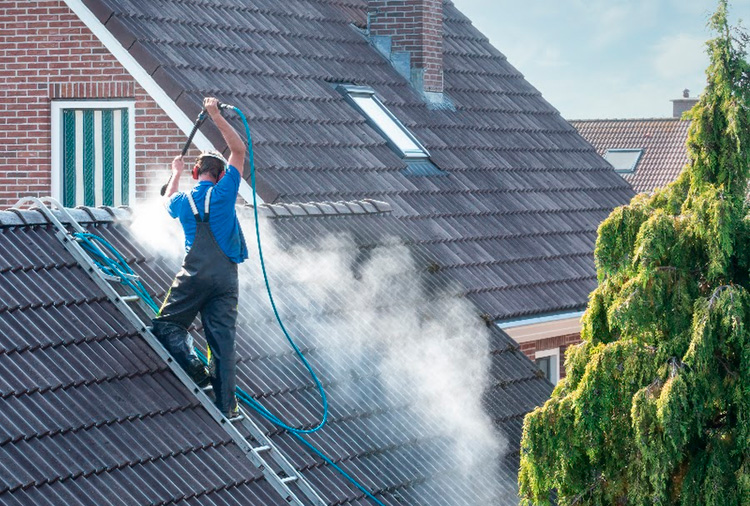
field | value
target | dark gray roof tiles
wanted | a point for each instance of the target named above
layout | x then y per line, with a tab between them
33	216
515	169
91	416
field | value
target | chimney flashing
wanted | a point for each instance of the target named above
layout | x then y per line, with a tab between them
409	34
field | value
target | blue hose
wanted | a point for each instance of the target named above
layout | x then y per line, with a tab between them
116	267
249	400
113	264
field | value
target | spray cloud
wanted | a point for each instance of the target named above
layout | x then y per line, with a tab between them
432	351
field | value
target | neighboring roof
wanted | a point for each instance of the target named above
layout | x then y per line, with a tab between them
91	416
515	219
663	142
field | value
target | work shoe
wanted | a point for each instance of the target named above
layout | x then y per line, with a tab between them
234	411
198	373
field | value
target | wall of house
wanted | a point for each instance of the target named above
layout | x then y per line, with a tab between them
47	53
530	348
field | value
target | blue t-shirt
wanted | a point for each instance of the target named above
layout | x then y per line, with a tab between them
223	219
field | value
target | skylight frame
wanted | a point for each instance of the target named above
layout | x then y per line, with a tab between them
633	166
353	94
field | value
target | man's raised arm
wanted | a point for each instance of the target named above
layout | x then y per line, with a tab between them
234	141
178	165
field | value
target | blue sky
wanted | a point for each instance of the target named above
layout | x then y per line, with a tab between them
604	58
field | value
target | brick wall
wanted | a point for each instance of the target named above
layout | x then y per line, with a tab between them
563	342
415	26
46	52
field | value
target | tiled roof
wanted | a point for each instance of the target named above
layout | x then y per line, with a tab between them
515	219
662	140
91	416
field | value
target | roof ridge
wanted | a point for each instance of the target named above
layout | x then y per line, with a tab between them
248	9
623	120
82	214
310	209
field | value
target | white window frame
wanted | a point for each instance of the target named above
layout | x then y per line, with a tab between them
351	91
633	167
84	103
554	353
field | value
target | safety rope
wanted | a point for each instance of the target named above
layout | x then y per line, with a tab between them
116	266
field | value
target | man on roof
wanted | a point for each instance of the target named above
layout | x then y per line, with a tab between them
208	281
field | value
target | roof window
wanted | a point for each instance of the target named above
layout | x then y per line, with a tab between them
381	119
624	161
399	138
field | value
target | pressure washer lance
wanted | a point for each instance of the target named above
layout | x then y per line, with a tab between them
198	122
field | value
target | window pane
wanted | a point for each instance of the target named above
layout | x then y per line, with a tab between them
124	176
88	157
623	160
545	364
108	163
387	125
95	157
69	158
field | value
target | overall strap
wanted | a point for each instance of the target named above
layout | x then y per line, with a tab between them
207	204
193	207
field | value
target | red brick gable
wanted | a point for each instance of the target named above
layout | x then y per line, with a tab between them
47	53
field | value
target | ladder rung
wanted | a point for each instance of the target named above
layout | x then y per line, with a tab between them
130	298
259	449
288	479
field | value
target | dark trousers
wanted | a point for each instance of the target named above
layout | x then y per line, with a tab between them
214	295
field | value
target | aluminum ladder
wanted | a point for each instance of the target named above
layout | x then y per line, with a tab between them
257	447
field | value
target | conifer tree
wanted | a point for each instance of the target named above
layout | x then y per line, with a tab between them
655	408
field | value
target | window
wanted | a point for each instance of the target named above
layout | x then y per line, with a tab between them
548	362
624	161
92	152
400	138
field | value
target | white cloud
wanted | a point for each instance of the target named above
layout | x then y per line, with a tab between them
604	58
551	57
679	56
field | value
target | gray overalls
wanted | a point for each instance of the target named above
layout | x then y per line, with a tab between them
207	283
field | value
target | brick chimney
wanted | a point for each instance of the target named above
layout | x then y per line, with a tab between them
410	34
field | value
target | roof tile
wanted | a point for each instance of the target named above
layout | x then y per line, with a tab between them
662	140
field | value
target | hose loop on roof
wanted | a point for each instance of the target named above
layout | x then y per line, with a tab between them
257	406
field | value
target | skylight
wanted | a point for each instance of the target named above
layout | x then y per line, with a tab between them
624	161
383	120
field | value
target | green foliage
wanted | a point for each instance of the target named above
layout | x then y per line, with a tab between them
655	409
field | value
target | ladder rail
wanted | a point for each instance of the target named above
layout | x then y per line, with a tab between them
253	454
267	446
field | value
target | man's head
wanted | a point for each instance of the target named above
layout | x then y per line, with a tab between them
211	163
